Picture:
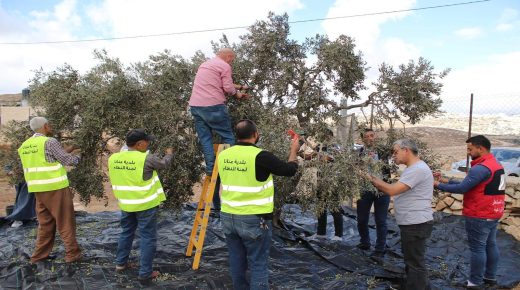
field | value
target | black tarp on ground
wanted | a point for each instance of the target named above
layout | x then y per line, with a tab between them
295	262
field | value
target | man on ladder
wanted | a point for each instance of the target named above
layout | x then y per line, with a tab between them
212	84
247	203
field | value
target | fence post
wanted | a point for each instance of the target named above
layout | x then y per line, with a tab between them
469	128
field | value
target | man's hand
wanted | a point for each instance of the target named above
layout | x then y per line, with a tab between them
364	174
241	87
69	148
168	150
437	176
242	96
239	95
295	146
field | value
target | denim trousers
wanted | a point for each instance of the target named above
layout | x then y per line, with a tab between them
208	120
413	245
248	245
146	221
482	241
381	204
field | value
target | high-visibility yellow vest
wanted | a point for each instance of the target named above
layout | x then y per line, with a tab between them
242	194
39	174
125	170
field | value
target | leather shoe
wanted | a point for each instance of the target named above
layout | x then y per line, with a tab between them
148	280
490	282
379	254
122	268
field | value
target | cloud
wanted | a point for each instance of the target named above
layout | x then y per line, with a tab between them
494	82
509	14
469	32
137	17
118	18
367	31
396	51
504	27
508	20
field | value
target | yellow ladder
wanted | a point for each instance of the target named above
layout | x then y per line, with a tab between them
203	210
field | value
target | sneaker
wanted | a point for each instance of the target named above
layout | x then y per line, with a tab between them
337	239
363	247
469	285
17	224
316	237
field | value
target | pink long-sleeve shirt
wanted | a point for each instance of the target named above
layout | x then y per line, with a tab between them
212	82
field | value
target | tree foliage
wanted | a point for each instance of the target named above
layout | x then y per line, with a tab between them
294	85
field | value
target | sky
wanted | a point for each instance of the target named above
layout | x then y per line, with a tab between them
479	42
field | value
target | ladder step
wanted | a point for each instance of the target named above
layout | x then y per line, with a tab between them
198	219
195	242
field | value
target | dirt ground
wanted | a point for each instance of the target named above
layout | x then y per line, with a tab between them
448	143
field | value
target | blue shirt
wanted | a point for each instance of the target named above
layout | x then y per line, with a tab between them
476	175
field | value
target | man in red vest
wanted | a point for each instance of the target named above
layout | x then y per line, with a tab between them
483	205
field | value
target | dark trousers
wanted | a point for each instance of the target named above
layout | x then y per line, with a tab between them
381	204
337	215
216	195
413	245
25	204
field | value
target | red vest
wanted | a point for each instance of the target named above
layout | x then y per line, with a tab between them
486	199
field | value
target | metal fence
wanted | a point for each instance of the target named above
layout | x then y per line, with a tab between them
492	114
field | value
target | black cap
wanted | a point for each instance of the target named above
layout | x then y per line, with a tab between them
135	135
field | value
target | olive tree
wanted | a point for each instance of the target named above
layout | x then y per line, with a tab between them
294	84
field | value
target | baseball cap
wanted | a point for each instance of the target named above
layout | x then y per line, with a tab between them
135	135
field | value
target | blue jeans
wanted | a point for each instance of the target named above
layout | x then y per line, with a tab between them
146	220
482	241
248	245
381	204
207	120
